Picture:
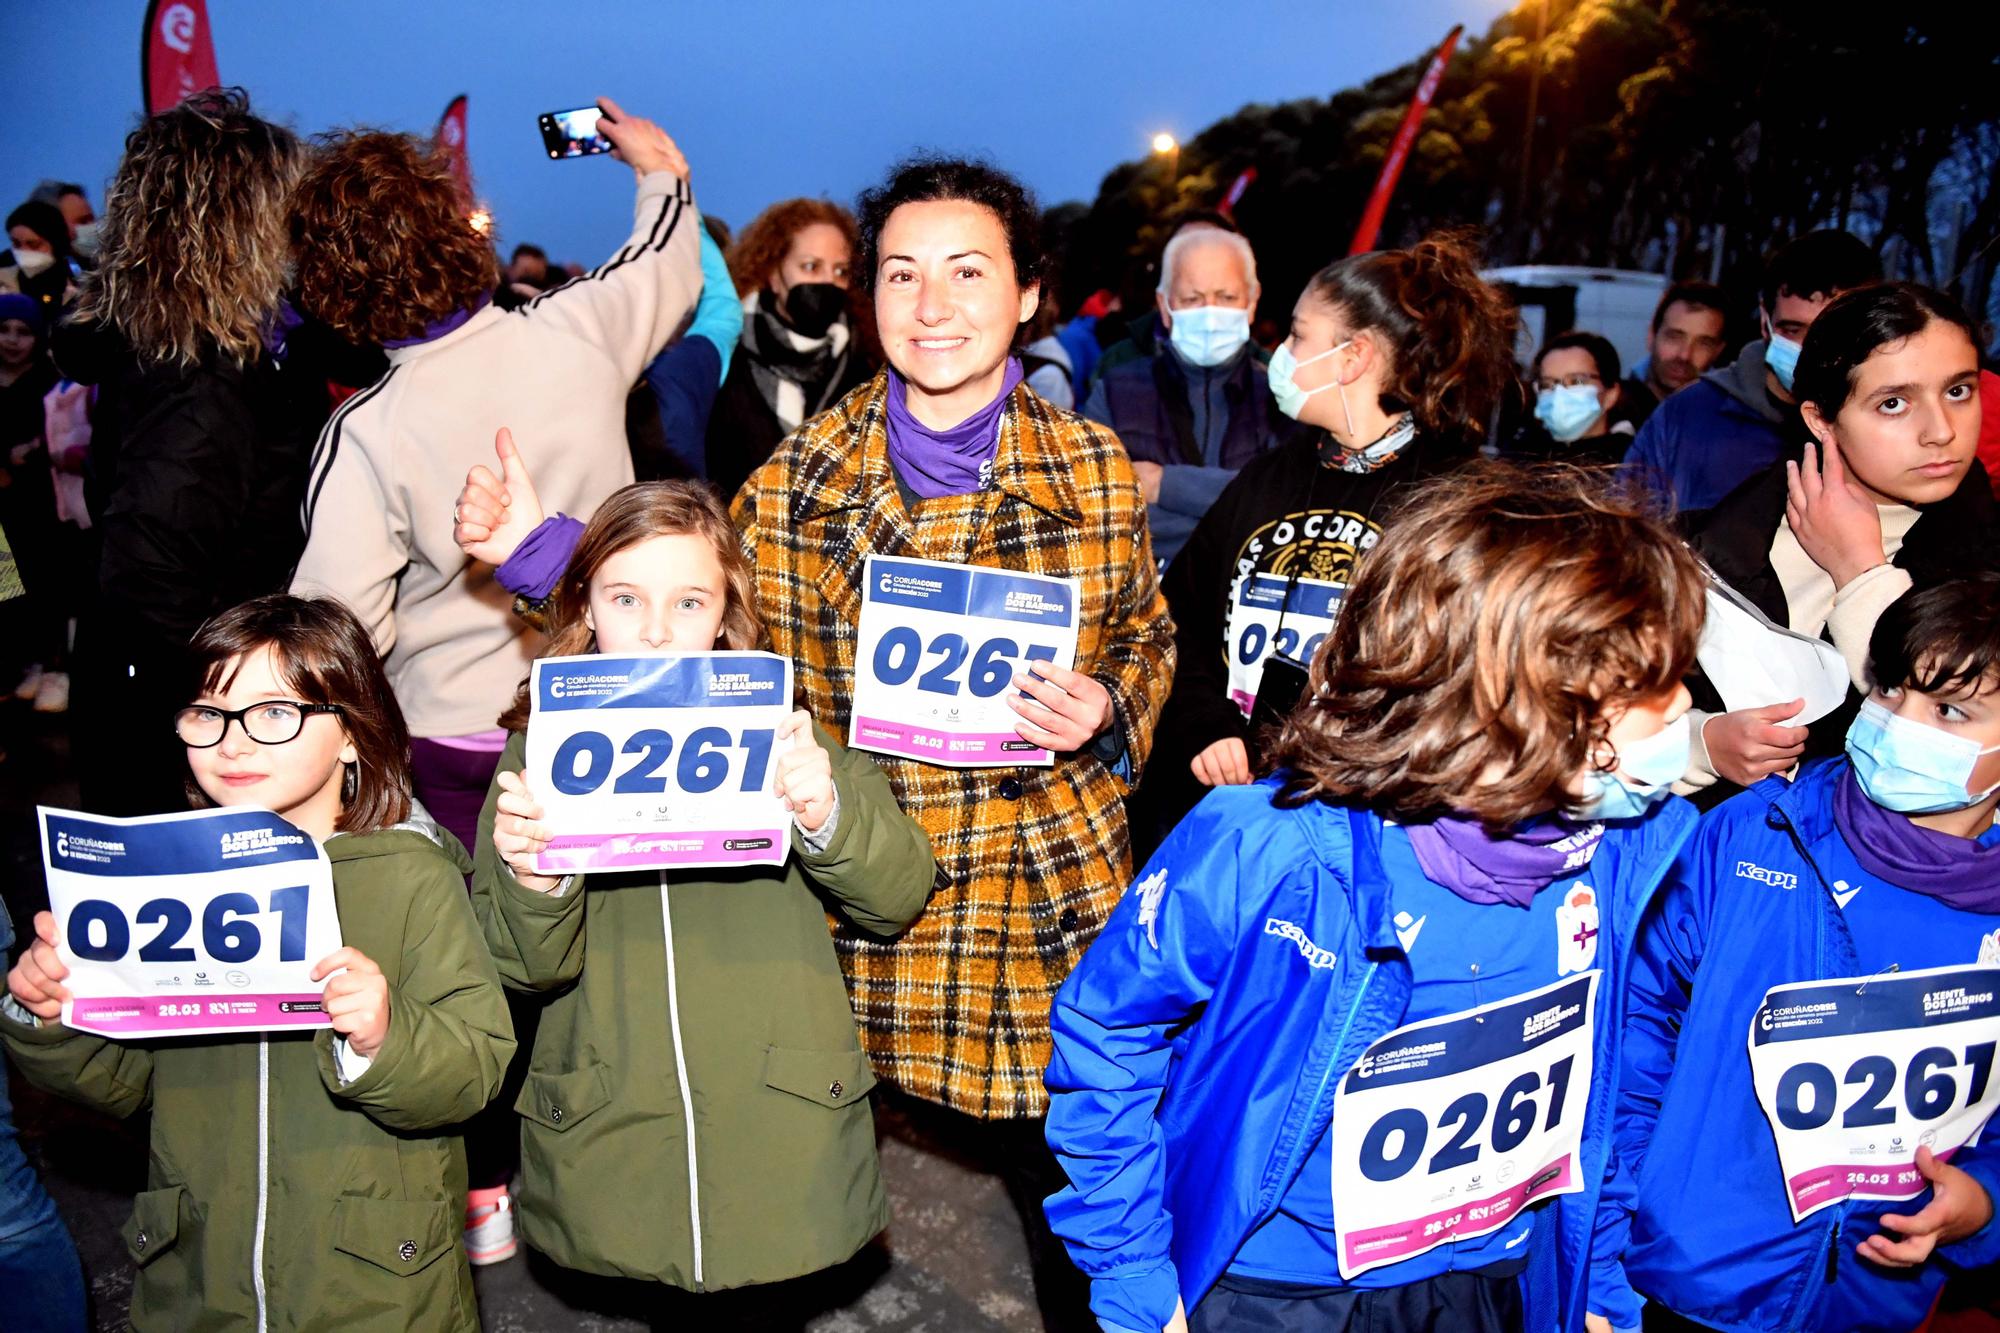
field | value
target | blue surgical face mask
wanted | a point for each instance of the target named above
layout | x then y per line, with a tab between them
1781	356
1567	410
1291	399
1646	773
1208	335
1912	768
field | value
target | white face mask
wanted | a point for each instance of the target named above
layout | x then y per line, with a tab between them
33	262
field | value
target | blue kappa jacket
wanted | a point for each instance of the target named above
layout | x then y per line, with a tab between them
1751	906
1272	930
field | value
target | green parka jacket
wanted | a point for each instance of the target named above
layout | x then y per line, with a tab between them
279	1197
696	1108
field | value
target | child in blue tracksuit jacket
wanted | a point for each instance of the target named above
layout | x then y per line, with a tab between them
1883	863
1342	1057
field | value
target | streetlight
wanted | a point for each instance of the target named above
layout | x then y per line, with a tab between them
1165	143
1168	147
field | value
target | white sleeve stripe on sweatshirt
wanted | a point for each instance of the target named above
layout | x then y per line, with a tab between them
329	446
671	206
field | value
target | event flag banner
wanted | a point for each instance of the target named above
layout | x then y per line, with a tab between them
1274	616
936	655
1449	1128
189	924
176	53
662	762
451	141
1857	1073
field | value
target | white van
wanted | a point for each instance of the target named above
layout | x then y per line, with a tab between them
1555	298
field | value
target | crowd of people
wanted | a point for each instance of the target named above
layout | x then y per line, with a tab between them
1401	701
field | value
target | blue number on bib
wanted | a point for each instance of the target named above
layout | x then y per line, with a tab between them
175	918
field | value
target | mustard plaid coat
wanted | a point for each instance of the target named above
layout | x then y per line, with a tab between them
1030	860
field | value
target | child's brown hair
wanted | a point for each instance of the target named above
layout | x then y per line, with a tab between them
323	652
1479	650
634	514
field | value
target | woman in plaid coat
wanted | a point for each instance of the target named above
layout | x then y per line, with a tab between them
947	456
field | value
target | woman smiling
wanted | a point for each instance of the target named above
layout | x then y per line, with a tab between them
947	456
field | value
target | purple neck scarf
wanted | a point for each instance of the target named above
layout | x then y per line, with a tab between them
1958	872
955	461
1457	853
455	320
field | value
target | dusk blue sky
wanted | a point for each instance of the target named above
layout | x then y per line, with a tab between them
769	98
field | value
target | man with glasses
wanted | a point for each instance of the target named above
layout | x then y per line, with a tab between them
1575	378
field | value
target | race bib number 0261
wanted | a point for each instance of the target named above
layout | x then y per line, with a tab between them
1450	1128
1856	1074
937	652
178	925
1270	614
659	763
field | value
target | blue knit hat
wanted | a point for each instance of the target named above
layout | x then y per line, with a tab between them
13	305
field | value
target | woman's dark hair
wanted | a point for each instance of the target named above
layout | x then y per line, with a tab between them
924	180
321	651
1941	639
1450	332
1602	354
46	221
1486	643
1855	325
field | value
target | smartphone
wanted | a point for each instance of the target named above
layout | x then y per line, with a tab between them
573	133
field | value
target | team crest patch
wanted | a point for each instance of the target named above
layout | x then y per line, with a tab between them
1151	890
1576	931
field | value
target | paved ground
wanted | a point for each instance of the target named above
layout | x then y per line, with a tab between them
953	1260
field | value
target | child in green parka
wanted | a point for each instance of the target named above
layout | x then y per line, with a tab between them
696	1109
300	1180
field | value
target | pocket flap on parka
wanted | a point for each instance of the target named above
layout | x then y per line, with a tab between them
401	1236
557	1101
155	1224
830	1078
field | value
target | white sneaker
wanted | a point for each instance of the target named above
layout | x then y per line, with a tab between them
489	1231
31	680
52	695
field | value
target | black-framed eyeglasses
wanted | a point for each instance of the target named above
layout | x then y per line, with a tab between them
272	722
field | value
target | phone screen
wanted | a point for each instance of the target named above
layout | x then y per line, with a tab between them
573	133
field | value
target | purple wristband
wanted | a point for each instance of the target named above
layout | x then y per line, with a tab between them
537	565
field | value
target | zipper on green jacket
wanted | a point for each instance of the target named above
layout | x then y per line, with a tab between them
681	1073
263	1178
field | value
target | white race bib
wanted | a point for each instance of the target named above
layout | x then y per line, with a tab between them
1855	1074
1449	1128
659	763
1256	604
936	654
178	925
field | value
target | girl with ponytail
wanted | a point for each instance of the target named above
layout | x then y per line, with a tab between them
1393	365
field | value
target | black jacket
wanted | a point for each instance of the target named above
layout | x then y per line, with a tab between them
742	428
1263	522
1954	536
195	484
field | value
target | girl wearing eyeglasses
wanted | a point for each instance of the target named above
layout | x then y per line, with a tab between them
304	1177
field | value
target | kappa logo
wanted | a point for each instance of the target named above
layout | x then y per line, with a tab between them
1777	879
1151	890
1843	895
1312	953
1989	948
1576	930
1408	929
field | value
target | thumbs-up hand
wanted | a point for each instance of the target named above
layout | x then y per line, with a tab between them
494	515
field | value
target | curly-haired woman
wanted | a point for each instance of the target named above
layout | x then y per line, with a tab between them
200	441
798	355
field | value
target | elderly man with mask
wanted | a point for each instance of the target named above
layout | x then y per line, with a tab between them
1199	407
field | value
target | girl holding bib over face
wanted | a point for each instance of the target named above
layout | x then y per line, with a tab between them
1343	1057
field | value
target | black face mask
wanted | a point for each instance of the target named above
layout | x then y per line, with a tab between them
812	307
